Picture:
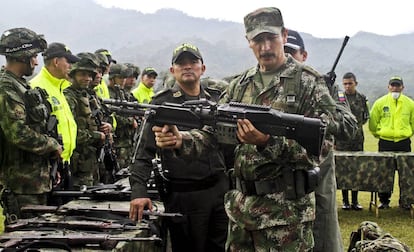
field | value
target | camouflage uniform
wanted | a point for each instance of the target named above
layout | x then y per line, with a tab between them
25	147
84	160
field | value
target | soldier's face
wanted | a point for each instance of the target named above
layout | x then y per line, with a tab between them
97	78
187	69
349	85
83	78
31	66
268	49
149	80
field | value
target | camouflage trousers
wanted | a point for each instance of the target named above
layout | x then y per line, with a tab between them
293	238
85	169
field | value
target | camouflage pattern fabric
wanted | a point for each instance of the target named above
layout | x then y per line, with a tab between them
275	239
84	160
374	171
371	238
359	107
24	151
405	164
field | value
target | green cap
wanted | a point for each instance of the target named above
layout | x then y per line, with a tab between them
186	48
396	79
150	71
267	19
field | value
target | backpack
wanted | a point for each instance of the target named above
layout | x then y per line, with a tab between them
371	238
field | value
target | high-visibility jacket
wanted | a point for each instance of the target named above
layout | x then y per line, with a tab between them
391	119
66	126
142	93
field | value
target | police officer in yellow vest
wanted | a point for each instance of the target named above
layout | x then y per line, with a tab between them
53	77
102	89
25	147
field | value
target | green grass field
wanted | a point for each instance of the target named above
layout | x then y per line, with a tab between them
395	221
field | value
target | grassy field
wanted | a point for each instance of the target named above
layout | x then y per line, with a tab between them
396	221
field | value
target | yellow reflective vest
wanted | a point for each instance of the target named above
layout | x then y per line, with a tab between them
66	127
392	120
142	93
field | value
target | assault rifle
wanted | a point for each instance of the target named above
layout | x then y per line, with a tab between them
330	77
308	132
15	241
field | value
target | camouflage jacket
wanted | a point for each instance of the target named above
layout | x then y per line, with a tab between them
79	101
359	107
312	99
24	151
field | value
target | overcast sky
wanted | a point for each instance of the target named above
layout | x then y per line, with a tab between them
321	18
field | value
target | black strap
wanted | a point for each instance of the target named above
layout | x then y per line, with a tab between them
191	186
260	187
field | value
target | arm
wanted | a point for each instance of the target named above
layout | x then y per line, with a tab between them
17	132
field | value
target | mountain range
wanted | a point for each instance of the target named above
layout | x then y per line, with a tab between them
149	39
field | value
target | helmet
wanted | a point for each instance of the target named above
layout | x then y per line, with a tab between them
107	54
135	69
88	62
21	43
103	60
119	70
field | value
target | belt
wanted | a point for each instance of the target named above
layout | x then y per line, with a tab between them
260	187
191	186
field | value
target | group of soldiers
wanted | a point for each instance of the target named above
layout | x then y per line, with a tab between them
54	121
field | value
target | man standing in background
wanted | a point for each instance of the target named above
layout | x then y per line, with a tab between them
359	106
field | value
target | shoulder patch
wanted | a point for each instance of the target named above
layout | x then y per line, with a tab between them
312	71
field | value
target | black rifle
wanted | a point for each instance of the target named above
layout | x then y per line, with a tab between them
106	154
308	132
15	241
330	77
54	162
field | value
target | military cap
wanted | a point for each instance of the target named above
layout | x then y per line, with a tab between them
119	70
186	48
150	71
294	41
135	71
58	50
396	80
87	62
107	54
21	43
267	19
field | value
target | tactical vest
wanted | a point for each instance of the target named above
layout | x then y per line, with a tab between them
38	109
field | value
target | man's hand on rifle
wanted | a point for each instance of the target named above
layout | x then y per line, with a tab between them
247	133
137	206
105	128
167	137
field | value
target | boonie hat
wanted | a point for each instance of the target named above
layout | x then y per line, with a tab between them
267	19
397	80
186	48
294	41
58	50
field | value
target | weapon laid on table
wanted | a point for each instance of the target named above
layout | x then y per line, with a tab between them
19	240
330	77
308	132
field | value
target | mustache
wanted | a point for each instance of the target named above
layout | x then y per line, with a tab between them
267	55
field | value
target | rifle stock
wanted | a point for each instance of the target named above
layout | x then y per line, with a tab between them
308	132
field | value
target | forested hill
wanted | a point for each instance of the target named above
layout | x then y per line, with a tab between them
148	39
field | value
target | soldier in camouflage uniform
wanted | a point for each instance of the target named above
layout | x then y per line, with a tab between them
25	147
131	80
85	108
359	106
125	125
326	231
278	219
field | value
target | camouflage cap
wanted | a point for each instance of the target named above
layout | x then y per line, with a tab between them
107	54
135	70
59	50
186	48
119	70
87	62
21	43
267	19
